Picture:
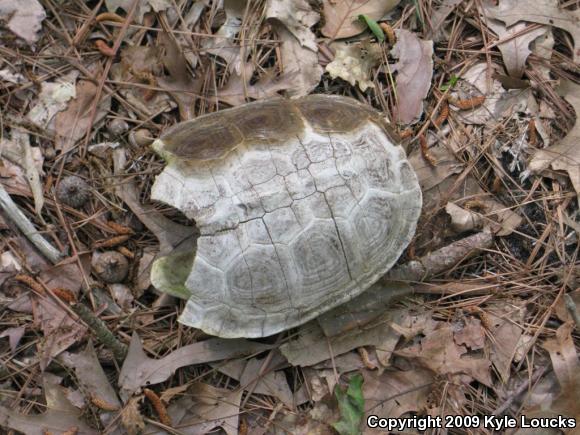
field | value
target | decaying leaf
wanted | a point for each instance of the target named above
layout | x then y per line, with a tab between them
341	16
415	71
516	49
546	12
354	63
53	98
563	156
24	18
139	370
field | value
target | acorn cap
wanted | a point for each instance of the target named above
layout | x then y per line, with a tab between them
73	191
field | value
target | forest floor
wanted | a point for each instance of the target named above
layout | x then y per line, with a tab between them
485	97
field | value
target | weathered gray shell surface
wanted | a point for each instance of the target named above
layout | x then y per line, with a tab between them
301	206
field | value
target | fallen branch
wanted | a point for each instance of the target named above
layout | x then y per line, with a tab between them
441	259
9	207
101	331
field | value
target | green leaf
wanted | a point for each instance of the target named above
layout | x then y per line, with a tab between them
374	26
351	406
452	81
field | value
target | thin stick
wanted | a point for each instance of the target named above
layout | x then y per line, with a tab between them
15	214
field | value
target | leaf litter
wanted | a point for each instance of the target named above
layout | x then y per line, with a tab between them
485	98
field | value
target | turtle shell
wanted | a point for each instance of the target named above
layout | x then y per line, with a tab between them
301	206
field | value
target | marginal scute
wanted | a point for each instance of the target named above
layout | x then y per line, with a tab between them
204	139
268	121
340	117
301	205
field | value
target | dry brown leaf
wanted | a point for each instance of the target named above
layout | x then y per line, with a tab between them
563	354
394	393
341	16
312	346
23	17
546	12
560	309
203	409
363	309
14	335
60	416
139	370
131	417
271	383
180	84
237	90
505	332
516	49
438	17
300	64
223	44
471	334
143	65
414	74
90	375
298	17
354	63
60	330
438	351
72	124
565	156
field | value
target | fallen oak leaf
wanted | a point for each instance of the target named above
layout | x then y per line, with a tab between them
565	155
547	12
341	15
516	49
60	416
415	71
139	370
72	123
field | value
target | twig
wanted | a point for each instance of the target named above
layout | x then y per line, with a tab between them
101	331
505	405
441	259
15	214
